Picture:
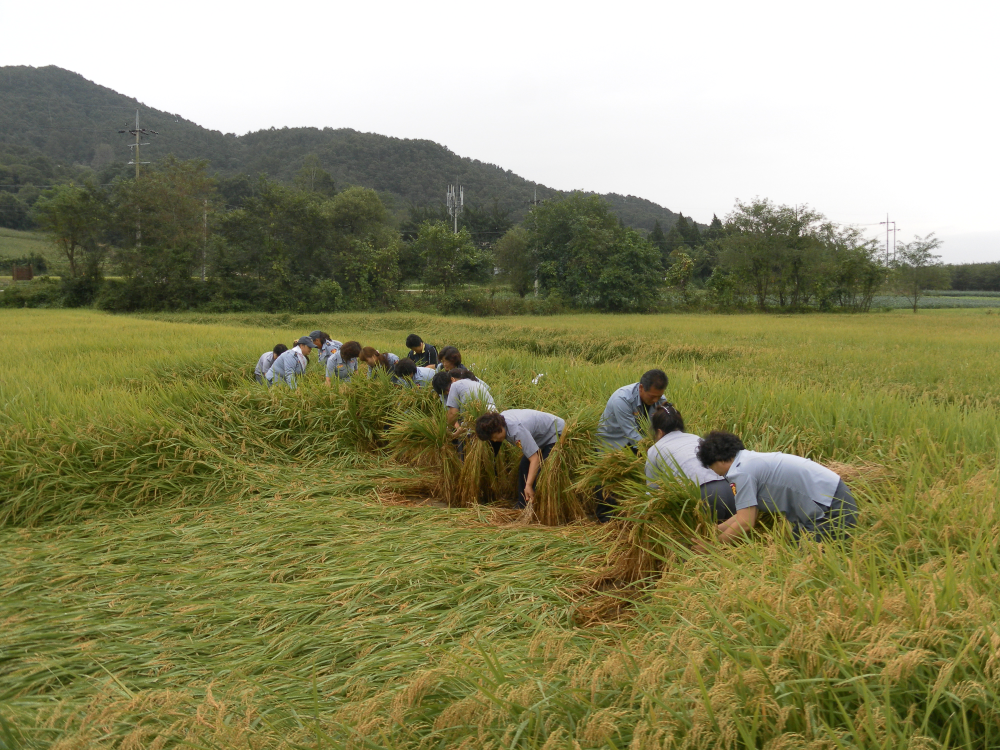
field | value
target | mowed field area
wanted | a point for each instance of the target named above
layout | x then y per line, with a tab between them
189	560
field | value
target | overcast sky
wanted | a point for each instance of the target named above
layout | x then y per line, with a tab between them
856	108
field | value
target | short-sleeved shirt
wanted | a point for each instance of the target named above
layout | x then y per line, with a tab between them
287	366
424	376
463	391
798	488
328	348
620	422
531	430
677	453
427	358
335	365
264	363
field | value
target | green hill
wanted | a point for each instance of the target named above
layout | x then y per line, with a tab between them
56	125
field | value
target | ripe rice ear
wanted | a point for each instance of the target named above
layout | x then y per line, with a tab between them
559	499
424	441
479	479
651	523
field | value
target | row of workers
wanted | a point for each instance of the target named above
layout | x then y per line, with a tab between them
736	483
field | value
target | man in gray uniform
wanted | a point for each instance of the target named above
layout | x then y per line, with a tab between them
628	409
534	432
812	498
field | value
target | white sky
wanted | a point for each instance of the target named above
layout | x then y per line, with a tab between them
855	108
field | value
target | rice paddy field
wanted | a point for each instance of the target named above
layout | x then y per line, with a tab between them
188	560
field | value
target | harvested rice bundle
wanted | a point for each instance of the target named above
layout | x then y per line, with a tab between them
558	498
651	524
426	441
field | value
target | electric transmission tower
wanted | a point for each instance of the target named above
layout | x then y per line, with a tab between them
139	134
456	202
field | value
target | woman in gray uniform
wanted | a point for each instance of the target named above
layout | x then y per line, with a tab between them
534	432
813	499
674	456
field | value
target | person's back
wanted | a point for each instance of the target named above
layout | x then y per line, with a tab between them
464	391
263	365
783	483
677	453
286	367
423	376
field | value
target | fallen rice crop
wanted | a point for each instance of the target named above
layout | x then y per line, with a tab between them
187	559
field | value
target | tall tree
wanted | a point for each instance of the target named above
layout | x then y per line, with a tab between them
450	260
515	261
586	256
917	268
75	217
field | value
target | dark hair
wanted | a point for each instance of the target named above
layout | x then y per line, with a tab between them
279	350
413	341
441	382
489	424
324	337
350	350
405	368
382	363
367	352
656	379
461	373
450	354
667	419
718	445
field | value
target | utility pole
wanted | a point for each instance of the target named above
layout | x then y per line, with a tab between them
887	223
456	202
139	133
204	247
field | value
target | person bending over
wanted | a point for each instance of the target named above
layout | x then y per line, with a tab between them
344	362
624	418
813	499
422	354
408	373
371	357
450	358
457	387
534	432
291	364
675	455
266	361
324	345
628	407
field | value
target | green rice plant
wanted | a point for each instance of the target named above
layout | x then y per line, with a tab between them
559	498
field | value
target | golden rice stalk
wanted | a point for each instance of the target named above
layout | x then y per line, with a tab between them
425	441
558	498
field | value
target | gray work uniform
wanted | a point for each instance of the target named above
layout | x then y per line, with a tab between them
391	358
328	348
620	422
810	496
676	453
423	376
287	367
263	366
335	365
463	391
532	430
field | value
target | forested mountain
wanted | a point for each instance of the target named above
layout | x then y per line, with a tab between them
56	125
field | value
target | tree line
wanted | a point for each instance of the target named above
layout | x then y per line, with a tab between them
178	238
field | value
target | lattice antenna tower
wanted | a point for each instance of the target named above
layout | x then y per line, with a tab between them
456	202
